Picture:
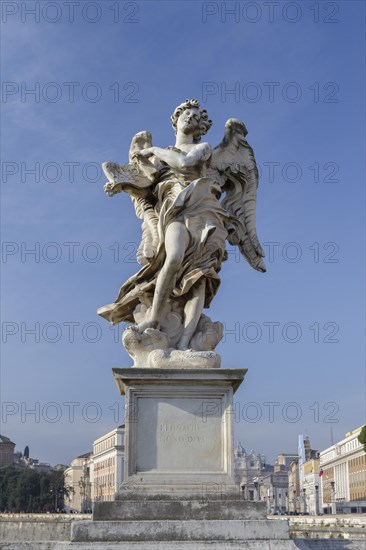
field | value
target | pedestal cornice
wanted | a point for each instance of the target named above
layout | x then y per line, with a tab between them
126	377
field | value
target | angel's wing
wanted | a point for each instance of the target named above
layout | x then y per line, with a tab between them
233	166
136	179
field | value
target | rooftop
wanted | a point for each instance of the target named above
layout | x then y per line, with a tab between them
4	439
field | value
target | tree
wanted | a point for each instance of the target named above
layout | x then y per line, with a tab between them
26	452
362	437
26	490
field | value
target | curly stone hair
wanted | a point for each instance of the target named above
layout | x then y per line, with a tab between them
204	123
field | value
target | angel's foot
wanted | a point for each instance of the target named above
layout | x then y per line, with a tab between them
147	324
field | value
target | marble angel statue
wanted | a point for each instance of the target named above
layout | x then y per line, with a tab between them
191	200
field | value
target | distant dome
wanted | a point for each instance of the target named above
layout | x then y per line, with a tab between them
239	450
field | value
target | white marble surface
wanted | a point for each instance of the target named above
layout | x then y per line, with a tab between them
180	433
179	430
191	198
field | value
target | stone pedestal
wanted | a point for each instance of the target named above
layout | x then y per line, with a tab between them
179	432
179	489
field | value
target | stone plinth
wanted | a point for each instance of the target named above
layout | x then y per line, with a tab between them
183	510
179	432
176	530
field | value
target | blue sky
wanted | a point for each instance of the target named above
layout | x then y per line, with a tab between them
299	87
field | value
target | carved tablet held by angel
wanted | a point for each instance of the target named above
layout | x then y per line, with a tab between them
191	200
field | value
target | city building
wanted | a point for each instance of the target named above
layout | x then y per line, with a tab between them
41	466
249	470
96	476
286	459
309	481
274	490
77	479
310	488
294	487
261	481
108	464
6	451
274	486
343	479
305	451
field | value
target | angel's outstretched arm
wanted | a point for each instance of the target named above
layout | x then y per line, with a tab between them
177	159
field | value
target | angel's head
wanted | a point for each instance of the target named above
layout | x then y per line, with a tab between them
190	119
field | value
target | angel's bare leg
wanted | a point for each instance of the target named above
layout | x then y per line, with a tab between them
176	243
192	314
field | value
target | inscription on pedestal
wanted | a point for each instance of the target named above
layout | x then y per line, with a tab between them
179	434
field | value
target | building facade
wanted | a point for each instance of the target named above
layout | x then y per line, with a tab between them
286	459
77	479
274	490
309	481
343	479
275	485
6	451
261	481
311	487
294	487
249	470
108	465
